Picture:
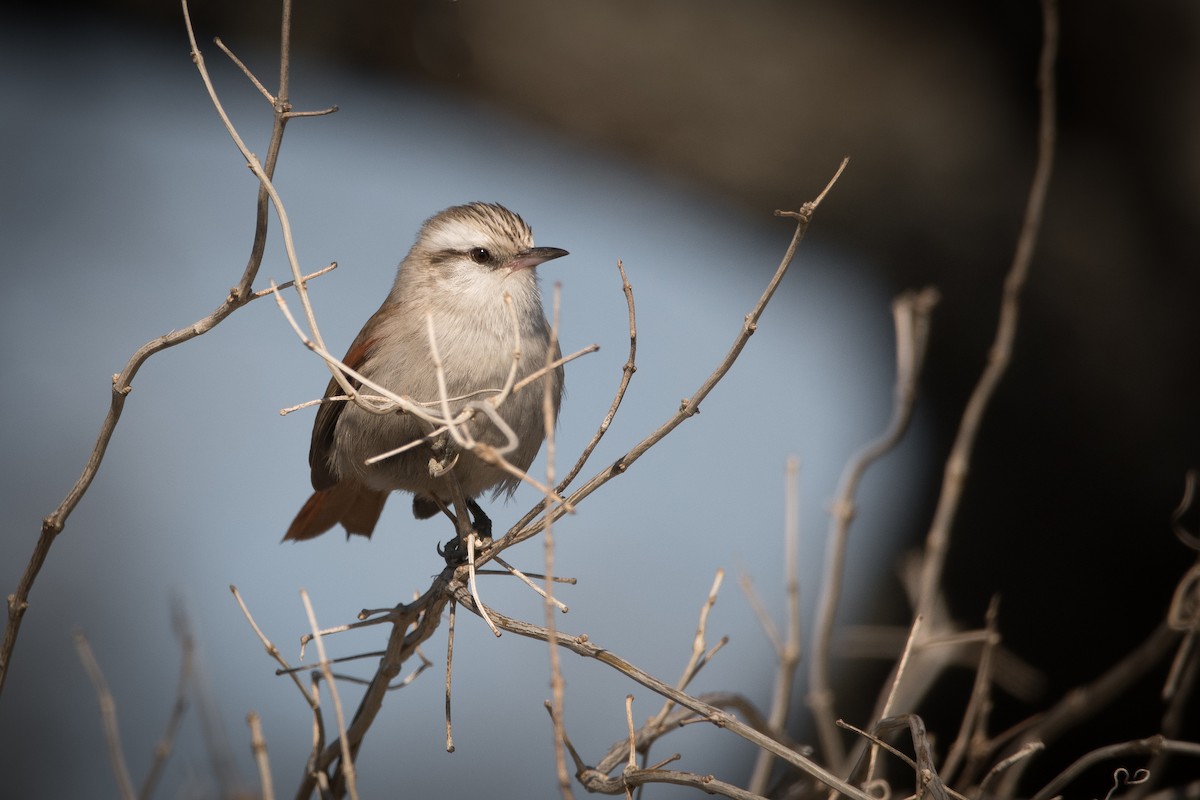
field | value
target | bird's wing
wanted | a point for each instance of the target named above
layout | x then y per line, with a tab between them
321	448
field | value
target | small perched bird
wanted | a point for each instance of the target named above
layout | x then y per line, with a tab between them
464	261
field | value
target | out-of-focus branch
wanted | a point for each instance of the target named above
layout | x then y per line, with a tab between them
787	650
108	715
938	540
911	312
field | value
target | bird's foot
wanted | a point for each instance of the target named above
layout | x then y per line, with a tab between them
455	551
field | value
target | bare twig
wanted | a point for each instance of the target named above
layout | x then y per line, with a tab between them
548	606
626	374
691	406
1187	503
787	651
187	648
347	768
699	646
259	747
422	616
911	312
272	650
449	673
972	733
108	716
288	284
938	540
995	772
509	569
889	703
929	783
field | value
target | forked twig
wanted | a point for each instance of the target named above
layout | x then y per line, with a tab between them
626	375
691	406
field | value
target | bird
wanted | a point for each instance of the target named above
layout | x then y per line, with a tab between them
464	262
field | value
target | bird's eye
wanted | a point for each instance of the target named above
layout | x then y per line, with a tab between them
480	255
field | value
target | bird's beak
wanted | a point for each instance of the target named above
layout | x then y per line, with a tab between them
534	256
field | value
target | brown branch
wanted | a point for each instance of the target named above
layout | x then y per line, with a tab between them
938	540
549	609
108	715
787	651
187	647
258	746
911	312
626	374
691	406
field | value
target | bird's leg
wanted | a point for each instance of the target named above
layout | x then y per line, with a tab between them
455	551
482	523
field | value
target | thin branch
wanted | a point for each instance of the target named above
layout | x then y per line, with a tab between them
509	569
548	606
1028	749
788	651
1190	538
287	284
347	768
272	650
889	703
938	540
972	732
449	673
746	583
162	750
699	645
472	539
911	312
650	732
422	616
626	375
108	716
258	746
691	406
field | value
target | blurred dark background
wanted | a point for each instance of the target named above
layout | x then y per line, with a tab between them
1084	449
